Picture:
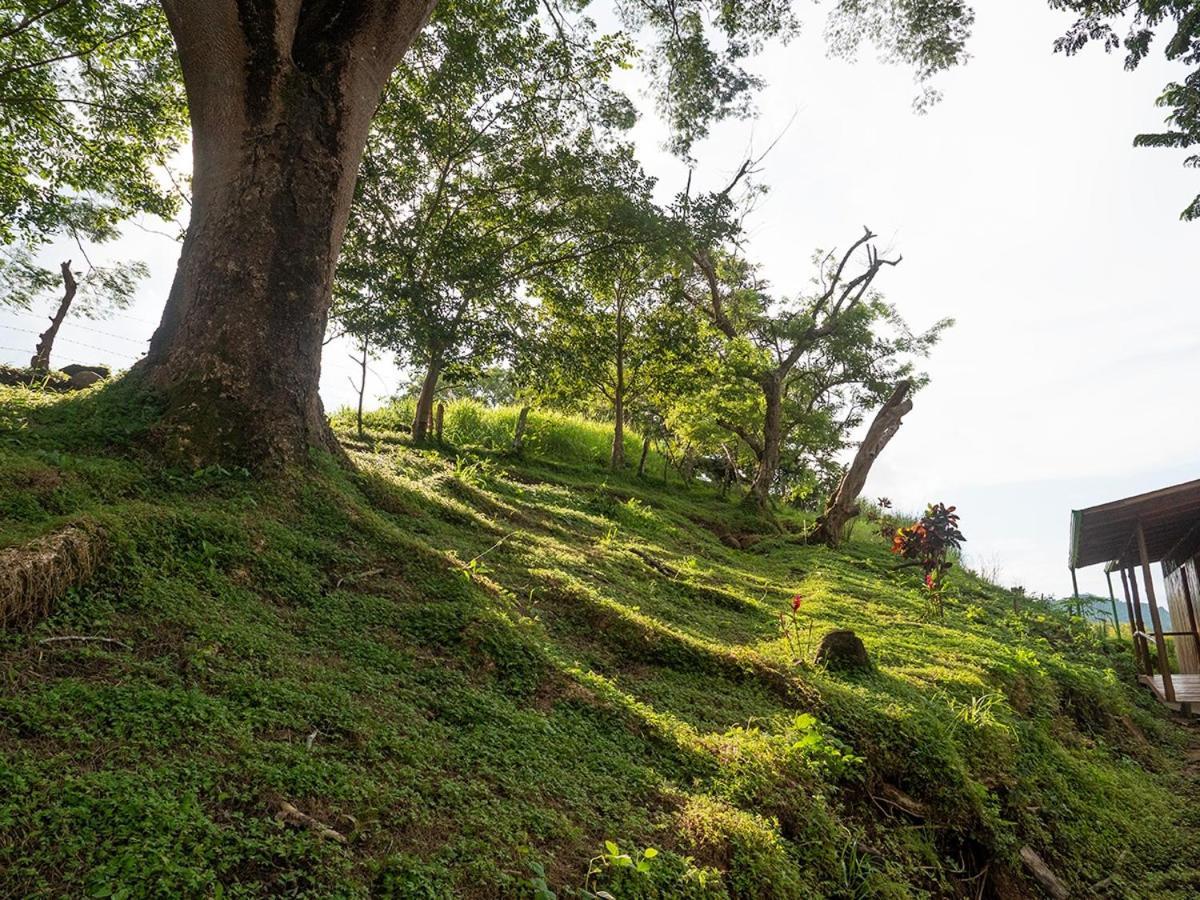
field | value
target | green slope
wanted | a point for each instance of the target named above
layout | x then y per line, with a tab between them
476	669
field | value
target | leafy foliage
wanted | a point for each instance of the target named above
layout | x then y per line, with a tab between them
91	105
1180	21
930	542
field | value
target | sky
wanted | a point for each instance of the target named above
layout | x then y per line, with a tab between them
1021	210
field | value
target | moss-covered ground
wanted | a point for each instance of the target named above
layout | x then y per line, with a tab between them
479	668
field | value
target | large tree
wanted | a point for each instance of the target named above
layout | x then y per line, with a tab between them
799	373
281	94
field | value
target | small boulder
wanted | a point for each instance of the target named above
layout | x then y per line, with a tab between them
73	369
843	650
84	379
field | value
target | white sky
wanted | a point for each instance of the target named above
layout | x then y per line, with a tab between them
1021	209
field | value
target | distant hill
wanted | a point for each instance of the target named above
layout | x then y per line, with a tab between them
1100	609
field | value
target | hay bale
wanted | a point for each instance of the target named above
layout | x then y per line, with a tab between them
36	574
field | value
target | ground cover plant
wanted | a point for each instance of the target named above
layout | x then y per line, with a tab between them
528	676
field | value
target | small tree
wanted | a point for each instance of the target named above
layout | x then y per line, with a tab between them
95	293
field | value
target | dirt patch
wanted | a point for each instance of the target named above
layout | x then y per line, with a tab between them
36	574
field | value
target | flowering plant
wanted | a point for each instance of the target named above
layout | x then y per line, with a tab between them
927	543
789	624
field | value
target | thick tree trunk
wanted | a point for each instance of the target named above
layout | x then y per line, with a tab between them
423	417
843	506
41	356
768	459
281	96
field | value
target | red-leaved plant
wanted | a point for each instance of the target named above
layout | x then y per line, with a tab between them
927	543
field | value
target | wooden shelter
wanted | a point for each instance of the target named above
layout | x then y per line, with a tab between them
1130	535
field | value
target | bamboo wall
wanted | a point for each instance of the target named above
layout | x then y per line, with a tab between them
1185	648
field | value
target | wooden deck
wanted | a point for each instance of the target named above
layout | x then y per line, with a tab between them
1187	690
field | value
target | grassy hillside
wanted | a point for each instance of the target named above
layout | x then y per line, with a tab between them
476	670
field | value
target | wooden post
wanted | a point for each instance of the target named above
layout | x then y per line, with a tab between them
1112	598
645	452
1075	593
439	421
519	434
1141	650
1160	642
1191	609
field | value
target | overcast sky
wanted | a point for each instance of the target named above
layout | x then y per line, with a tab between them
1021	210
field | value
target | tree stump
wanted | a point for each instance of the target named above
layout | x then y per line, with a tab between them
843	650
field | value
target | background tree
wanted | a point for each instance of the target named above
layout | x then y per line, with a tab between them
800	372
281	96
491	162
91	110
609	340
1181	20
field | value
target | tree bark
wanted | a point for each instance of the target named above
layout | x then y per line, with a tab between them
768	459
424	412
41	356
843	505
281	95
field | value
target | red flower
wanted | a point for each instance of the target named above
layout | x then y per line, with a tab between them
929	580
797	602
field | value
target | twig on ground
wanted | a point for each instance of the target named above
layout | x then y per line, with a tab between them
473	559
85	638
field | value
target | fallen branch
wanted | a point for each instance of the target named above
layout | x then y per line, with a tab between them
289	815
88	638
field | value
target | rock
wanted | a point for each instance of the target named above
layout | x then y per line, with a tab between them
842	649
85	379
1042	874
102	371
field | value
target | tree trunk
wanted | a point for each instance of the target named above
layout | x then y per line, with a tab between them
843	506
424	412
645	453
616	460
768	460
281	96
439	422
362	386
41	356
